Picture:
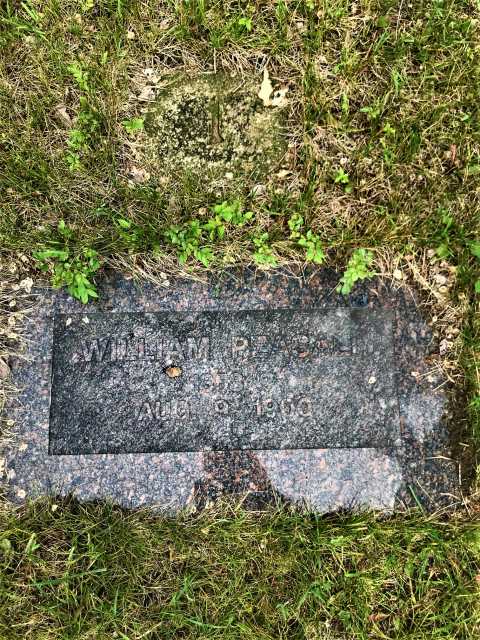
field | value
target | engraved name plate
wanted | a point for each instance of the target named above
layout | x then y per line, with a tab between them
223	380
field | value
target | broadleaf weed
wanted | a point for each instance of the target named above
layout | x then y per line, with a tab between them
68	267
357	269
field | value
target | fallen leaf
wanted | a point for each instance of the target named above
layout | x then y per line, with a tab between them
440	279
173	372
147	94
266	89
377	617
62	114
259	190
279	99
444	346
138	174
150	74
4	370
397	274
27	284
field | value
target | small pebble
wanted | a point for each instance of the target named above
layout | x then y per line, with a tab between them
397	274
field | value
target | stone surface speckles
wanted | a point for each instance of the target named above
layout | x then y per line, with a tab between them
350	461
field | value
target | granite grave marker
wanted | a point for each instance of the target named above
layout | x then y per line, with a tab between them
268	385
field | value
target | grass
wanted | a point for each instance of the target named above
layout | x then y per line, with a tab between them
72	571
383	157
383	118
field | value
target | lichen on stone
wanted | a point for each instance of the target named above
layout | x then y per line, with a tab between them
212	126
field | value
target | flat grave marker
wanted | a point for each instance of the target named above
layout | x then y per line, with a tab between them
266	385
211	128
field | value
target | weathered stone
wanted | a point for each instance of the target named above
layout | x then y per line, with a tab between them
282	388
212	127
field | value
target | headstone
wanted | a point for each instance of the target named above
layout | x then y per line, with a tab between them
213	128
272	386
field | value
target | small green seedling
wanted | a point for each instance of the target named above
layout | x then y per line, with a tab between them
134	125
372	112
80	76
190	237
263	254
232	212
474	247
388	130
226	213
73	271
83	136
73	161
31	547
313	247
357	269
309	241
132	234
76	139
341	177
295	224
245	23
187	239
445	233
64	230
475	251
